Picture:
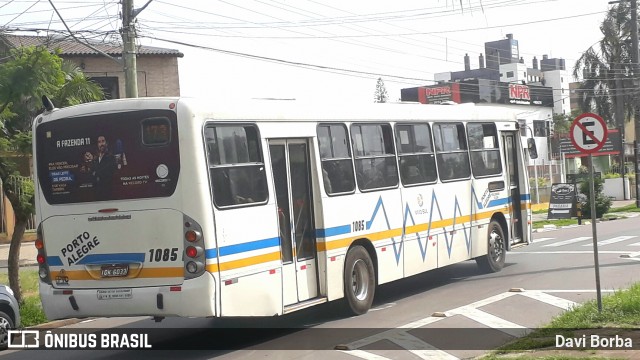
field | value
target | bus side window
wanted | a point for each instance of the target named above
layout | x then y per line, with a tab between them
335	155
484	150
235	165
415	154
451	151
376	165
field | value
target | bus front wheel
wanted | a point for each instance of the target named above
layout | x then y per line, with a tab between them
493	261
359	280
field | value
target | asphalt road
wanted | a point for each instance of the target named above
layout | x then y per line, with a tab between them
450	313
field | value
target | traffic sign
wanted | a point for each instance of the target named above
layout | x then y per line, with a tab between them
588	133
562	201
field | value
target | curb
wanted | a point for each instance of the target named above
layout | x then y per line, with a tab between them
57	323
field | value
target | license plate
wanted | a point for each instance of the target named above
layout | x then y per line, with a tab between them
108	271
109	294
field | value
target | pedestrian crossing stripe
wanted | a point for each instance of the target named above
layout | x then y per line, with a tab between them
613	240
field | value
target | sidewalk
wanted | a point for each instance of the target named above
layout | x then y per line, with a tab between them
614	204
28	253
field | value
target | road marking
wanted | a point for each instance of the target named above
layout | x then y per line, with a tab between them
568	252
401	337
570	241
428	351
572	291
364	355
535	241
635	244
612	240
491	321
549	299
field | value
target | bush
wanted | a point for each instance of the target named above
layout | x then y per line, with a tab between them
603	203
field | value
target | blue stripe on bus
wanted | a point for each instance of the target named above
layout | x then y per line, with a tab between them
333	231
497	202
525	197
54	260
112	258
240	248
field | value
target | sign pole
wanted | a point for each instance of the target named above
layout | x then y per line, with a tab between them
588	134
592	196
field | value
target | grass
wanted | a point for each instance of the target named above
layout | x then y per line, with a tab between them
620	315
628	208
31	312
559	222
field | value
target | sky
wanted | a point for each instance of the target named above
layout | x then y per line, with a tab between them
322	50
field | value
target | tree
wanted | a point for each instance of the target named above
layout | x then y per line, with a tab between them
603	203
606	72
380	95
30	73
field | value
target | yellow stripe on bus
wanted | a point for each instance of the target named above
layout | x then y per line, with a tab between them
236	264
144	273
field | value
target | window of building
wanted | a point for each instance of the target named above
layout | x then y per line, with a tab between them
375	160
235	164
484	149
335	155
451	151
416	159
523	127
509	74
539	128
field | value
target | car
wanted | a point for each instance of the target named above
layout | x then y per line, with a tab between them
9	314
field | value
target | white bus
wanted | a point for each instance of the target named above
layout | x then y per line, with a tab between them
177	207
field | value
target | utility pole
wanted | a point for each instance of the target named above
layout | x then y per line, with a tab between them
129	50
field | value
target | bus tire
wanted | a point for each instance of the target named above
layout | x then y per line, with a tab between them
6	324
359	280
493	261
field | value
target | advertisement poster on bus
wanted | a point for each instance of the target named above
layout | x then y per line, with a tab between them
108	157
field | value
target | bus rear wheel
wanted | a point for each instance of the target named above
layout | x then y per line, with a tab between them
493	261
359	280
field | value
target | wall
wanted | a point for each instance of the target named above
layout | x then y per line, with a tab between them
157	75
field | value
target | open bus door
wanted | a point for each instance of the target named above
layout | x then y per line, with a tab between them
290	162
512	159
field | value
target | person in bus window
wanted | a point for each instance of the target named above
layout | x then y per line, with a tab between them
104	166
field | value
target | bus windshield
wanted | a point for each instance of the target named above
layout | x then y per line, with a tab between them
116	156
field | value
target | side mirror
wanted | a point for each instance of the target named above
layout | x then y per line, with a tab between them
531	146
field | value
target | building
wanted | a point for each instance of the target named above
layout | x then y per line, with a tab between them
157	68
504	64
533	104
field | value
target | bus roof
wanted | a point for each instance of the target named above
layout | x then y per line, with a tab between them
294	110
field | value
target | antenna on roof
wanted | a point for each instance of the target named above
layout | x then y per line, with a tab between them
47	103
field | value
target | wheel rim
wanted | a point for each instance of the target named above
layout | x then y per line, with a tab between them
360	279
496	244
4	330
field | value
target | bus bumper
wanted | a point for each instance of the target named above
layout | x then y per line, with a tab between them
194	298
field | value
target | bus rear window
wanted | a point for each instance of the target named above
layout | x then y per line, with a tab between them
156	131
117	156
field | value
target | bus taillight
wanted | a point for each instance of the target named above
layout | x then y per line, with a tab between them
194	245
191	252
192	236
41	258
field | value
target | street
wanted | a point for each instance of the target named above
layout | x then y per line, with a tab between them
472	312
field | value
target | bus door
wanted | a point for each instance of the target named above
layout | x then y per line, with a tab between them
290	163
513	179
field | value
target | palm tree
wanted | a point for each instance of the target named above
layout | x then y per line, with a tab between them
607	71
